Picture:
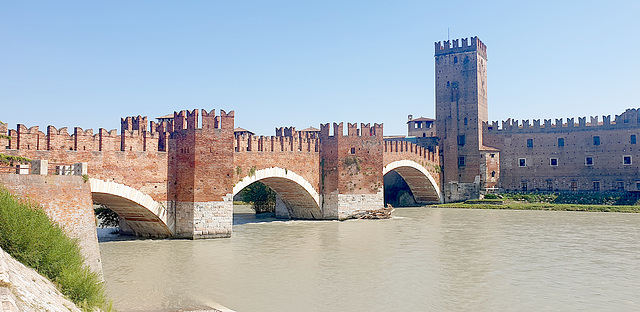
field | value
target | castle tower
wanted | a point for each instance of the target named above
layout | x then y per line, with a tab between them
200	175
351	169
461	108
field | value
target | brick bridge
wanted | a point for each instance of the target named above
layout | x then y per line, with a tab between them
177	178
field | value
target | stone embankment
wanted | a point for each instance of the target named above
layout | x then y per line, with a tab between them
23	289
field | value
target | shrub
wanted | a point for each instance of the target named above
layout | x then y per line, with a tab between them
27	234
261	197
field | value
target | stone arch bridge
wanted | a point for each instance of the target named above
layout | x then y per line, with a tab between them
177	178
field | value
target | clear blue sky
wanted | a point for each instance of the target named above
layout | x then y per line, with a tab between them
302	63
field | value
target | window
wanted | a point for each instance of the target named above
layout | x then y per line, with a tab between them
461	140
637	186
553	161
620	186
529	142
549	185
493	155
455	59
461	161
353	150
560	141
522	162
633	139
596	140
448	83
524	186
574	186
596	185
626	160
588	161
466	121
493	174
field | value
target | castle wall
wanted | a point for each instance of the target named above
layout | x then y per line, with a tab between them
299	155
566	156
402	150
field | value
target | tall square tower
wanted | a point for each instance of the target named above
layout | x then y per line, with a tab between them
461	108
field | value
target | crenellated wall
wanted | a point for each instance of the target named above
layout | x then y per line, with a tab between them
403	150
568	154
190	163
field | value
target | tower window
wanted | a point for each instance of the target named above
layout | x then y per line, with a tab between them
448	83
466	121
596	140
626	160
455	59
620	186
461	162
524	186
549	185
553	162
493	174
574	186
560	141
633	139
529	142
353	150
461	140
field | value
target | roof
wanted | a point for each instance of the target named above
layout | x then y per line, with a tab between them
421	119
165	116
241	130
488	148
310	129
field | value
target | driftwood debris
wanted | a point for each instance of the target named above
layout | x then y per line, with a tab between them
382	213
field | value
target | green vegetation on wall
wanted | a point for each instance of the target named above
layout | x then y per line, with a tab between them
27	234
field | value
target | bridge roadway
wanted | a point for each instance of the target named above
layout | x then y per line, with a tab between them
149	176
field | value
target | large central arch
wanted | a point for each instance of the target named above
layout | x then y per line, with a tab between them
145	216
301	200
423	186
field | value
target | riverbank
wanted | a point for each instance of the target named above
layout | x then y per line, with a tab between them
541	206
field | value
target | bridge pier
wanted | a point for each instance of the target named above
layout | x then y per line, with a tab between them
200	220
350	165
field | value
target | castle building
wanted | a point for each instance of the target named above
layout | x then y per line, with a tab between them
478	156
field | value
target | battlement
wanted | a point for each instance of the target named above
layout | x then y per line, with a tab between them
251	143
190	120
352	130
630	118
405	147
460	45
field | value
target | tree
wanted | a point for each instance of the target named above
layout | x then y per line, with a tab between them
261	197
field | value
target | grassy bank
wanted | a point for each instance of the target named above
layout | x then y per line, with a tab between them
27	234
543	206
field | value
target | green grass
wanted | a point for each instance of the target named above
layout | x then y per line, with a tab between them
27	234
546	206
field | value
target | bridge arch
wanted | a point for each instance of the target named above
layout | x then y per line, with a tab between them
145	216
424	187
299	197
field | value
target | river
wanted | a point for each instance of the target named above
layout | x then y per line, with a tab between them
423	259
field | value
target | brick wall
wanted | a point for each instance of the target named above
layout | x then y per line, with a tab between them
67	201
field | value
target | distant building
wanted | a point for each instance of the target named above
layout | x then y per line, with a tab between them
421	127
240	132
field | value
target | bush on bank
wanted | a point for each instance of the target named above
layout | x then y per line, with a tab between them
27	234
